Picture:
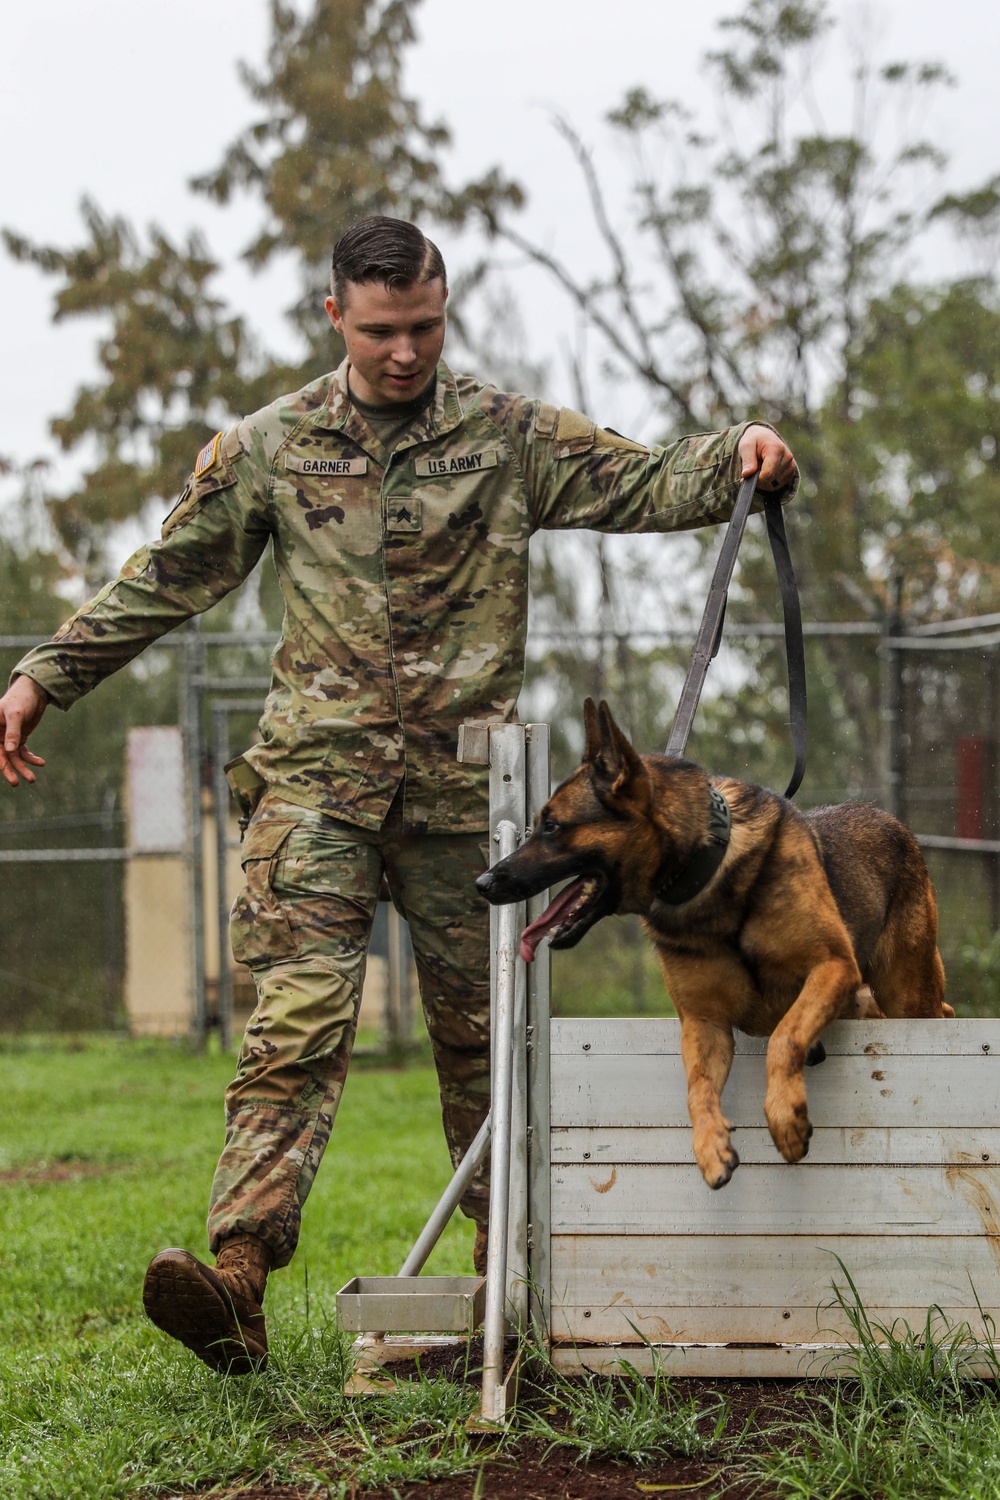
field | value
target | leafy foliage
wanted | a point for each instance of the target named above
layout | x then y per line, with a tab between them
338	138
760	271
173	366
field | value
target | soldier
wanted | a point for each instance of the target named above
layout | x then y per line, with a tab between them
399	500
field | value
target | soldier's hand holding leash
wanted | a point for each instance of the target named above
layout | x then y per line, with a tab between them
765	454
21	707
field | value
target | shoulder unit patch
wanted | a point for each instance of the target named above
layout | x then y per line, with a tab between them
208	456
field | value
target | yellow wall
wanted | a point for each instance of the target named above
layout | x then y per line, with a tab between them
158	953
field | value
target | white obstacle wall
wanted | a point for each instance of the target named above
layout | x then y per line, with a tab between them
900	1183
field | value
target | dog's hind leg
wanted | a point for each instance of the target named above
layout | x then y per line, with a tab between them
908	981
906	973
864	1007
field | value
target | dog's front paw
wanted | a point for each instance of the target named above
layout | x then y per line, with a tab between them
716	1157
790	1129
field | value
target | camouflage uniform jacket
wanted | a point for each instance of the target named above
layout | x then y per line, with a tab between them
404	575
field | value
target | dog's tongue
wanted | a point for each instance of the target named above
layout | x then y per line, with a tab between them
536	930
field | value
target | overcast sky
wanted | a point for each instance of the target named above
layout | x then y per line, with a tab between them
124	102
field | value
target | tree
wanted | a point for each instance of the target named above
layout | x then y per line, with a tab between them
338	138
172	364
759	273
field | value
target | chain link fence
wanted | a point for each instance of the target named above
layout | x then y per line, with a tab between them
116	916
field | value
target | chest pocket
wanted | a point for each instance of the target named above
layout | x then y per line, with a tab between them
331	503
455	494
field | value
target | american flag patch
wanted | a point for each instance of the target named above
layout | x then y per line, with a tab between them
207	456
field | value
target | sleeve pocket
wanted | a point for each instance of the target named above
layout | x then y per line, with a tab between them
702	450
195	494
574	434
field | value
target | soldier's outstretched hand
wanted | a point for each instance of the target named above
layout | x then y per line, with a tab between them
21	707
764	453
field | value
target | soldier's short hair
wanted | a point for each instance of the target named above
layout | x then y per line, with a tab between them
390	251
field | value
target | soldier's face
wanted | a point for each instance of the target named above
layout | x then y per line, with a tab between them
394	339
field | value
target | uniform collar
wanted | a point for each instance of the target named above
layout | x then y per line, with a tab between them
340	415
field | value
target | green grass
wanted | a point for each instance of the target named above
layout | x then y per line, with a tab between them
629	1417
95	1404
913	1423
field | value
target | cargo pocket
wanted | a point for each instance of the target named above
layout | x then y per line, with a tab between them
324	863
259	927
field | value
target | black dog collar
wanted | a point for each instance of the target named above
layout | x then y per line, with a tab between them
706	859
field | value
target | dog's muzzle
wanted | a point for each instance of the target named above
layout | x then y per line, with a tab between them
565	920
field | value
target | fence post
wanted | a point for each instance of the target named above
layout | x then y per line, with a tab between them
892	703
992	828
112	899
220	797
194	658
398	1017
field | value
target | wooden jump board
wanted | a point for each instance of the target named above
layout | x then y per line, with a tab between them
900	1184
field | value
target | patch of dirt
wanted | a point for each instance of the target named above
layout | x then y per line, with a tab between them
59	1171
531	1471
532	1476
277	1492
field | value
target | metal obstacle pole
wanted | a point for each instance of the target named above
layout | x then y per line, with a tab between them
381	1308
448	1202
220	792
494	1391
537	1153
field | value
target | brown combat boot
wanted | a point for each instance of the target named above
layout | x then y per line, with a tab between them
479	1250
216	1313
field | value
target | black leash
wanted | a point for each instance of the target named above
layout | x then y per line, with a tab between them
710	634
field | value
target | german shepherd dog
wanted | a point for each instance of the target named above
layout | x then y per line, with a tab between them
764	918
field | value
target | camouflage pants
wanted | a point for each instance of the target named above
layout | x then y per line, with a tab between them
302	924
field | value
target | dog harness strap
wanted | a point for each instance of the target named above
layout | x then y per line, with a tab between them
693	877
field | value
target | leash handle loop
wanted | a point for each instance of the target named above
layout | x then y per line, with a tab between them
710	632
795	656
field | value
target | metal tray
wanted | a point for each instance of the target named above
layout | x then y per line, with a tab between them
412	1304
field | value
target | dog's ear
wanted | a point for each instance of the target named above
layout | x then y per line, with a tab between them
592	729
617	768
